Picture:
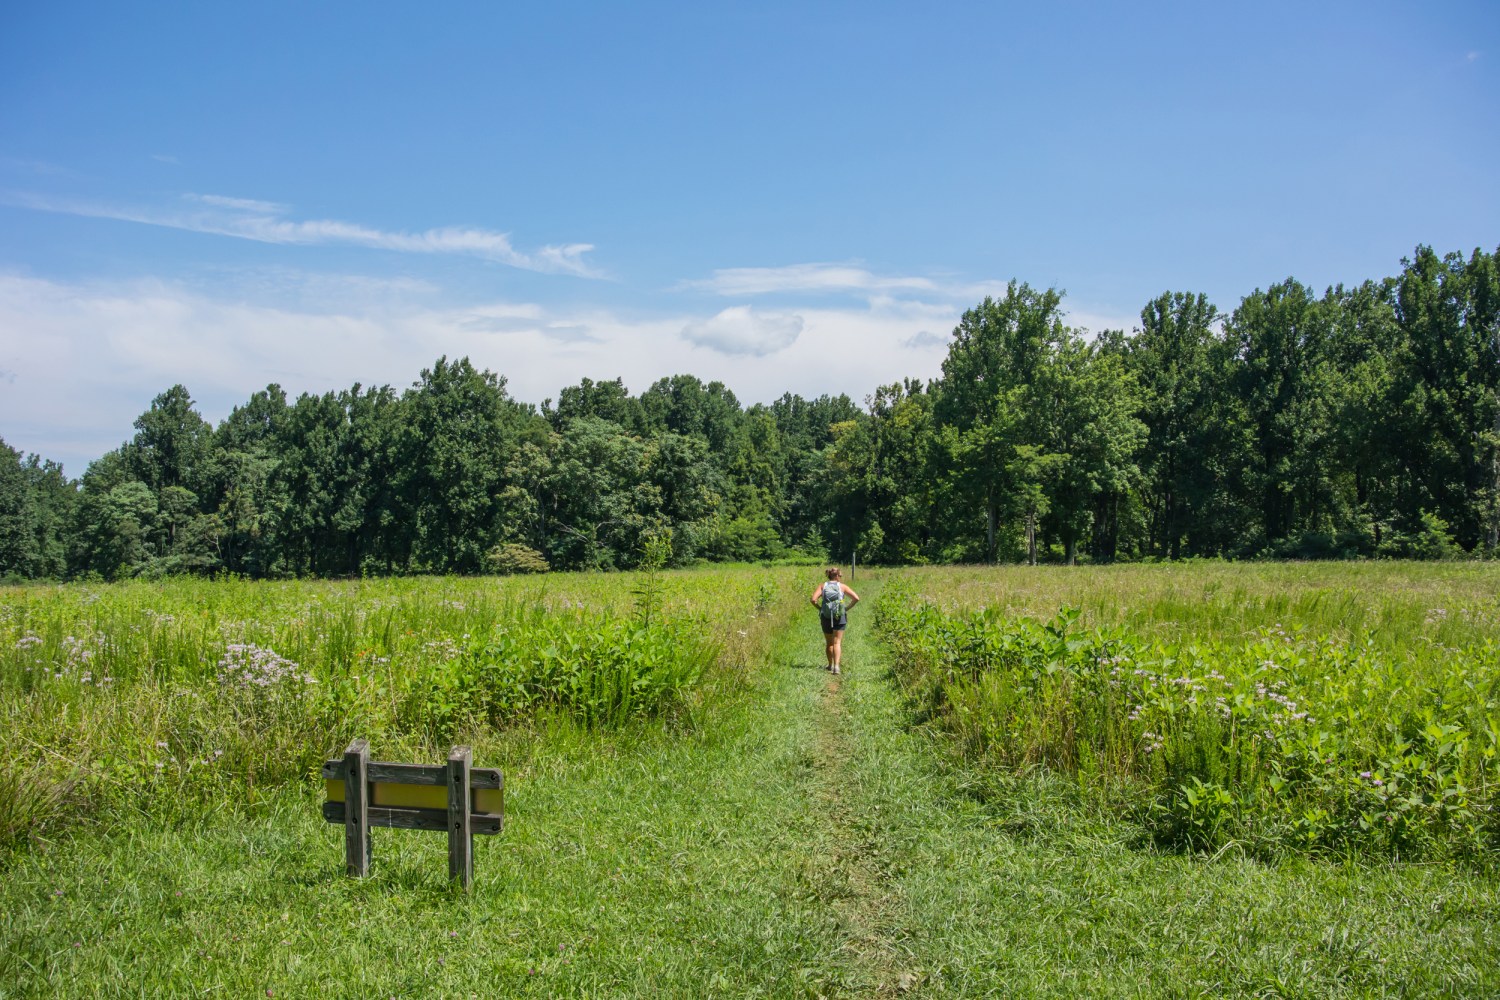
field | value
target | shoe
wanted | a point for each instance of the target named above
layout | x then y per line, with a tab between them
835	671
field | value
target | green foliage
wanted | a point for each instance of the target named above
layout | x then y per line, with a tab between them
1430	539
33	800
1281	740
513	557
602	669
649	587
1362	423
178	694
36	504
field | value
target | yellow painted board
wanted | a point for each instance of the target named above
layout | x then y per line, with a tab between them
489	800
410	796
483	800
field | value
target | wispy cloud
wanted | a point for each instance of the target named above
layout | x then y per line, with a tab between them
816	277
250	205
269	222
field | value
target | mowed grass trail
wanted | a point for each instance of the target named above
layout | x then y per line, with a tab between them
639	862
801	838
1024	892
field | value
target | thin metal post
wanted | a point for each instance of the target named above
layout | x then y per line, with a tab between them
460	831
357	808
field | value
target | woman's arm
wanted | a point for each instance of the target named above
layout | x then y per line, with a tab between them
850	592
817	595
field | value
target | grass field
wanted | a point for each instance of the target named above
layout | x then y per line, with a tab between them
1330	708
747	826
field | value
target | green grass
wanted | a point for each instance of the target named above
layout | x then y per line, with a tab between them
1021	887
1315	731
1399	605
775	836
665	855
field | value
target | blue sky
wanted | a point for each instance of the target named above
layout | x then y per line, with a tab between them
796	197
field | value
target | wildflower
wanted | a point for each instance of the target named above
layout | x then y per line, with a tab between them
248	666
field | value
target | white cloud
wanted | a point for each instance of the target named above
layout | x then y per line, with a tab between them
741	330
267	222
743	281
87	358
802	278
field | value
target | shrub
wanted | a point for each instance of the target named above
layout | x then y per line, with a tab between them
513	557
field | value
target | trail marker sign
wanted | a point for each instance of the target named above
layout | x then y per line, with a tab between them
457	797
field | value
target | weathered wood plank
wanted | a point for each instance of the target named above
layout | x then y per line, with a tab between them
416	774
460	827
486	824
357	846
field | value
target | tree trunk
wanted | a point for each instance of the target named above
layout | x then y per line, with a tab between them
1031	538
991	515
1495	481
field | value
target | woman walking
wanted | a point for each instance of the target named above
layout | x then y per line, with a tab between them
833	600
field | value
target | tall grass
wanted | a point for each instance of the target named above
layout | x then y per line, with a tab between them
1289	712
182	696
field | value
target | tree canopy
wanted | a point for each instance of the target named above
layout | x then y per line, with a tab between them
1362	422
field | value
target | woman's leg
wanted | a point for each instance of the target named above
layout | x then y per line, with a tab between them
830	648
838	650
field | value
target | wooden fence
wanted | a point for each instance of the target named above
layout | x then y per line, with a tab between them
457	797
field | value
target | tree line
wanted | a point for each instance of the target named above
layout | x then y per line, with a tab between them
1362	422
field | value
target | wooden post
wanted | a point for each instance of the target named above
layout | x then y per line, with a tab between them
357	808
460	831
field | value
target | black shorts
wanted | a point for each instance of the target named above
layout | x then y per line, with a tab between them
834	624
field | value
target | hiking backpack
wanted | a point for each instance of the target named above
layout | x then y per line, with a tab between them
833	600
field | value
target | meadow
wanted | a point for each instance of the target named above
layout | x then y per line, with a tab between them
992	801
1326	708
183	695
